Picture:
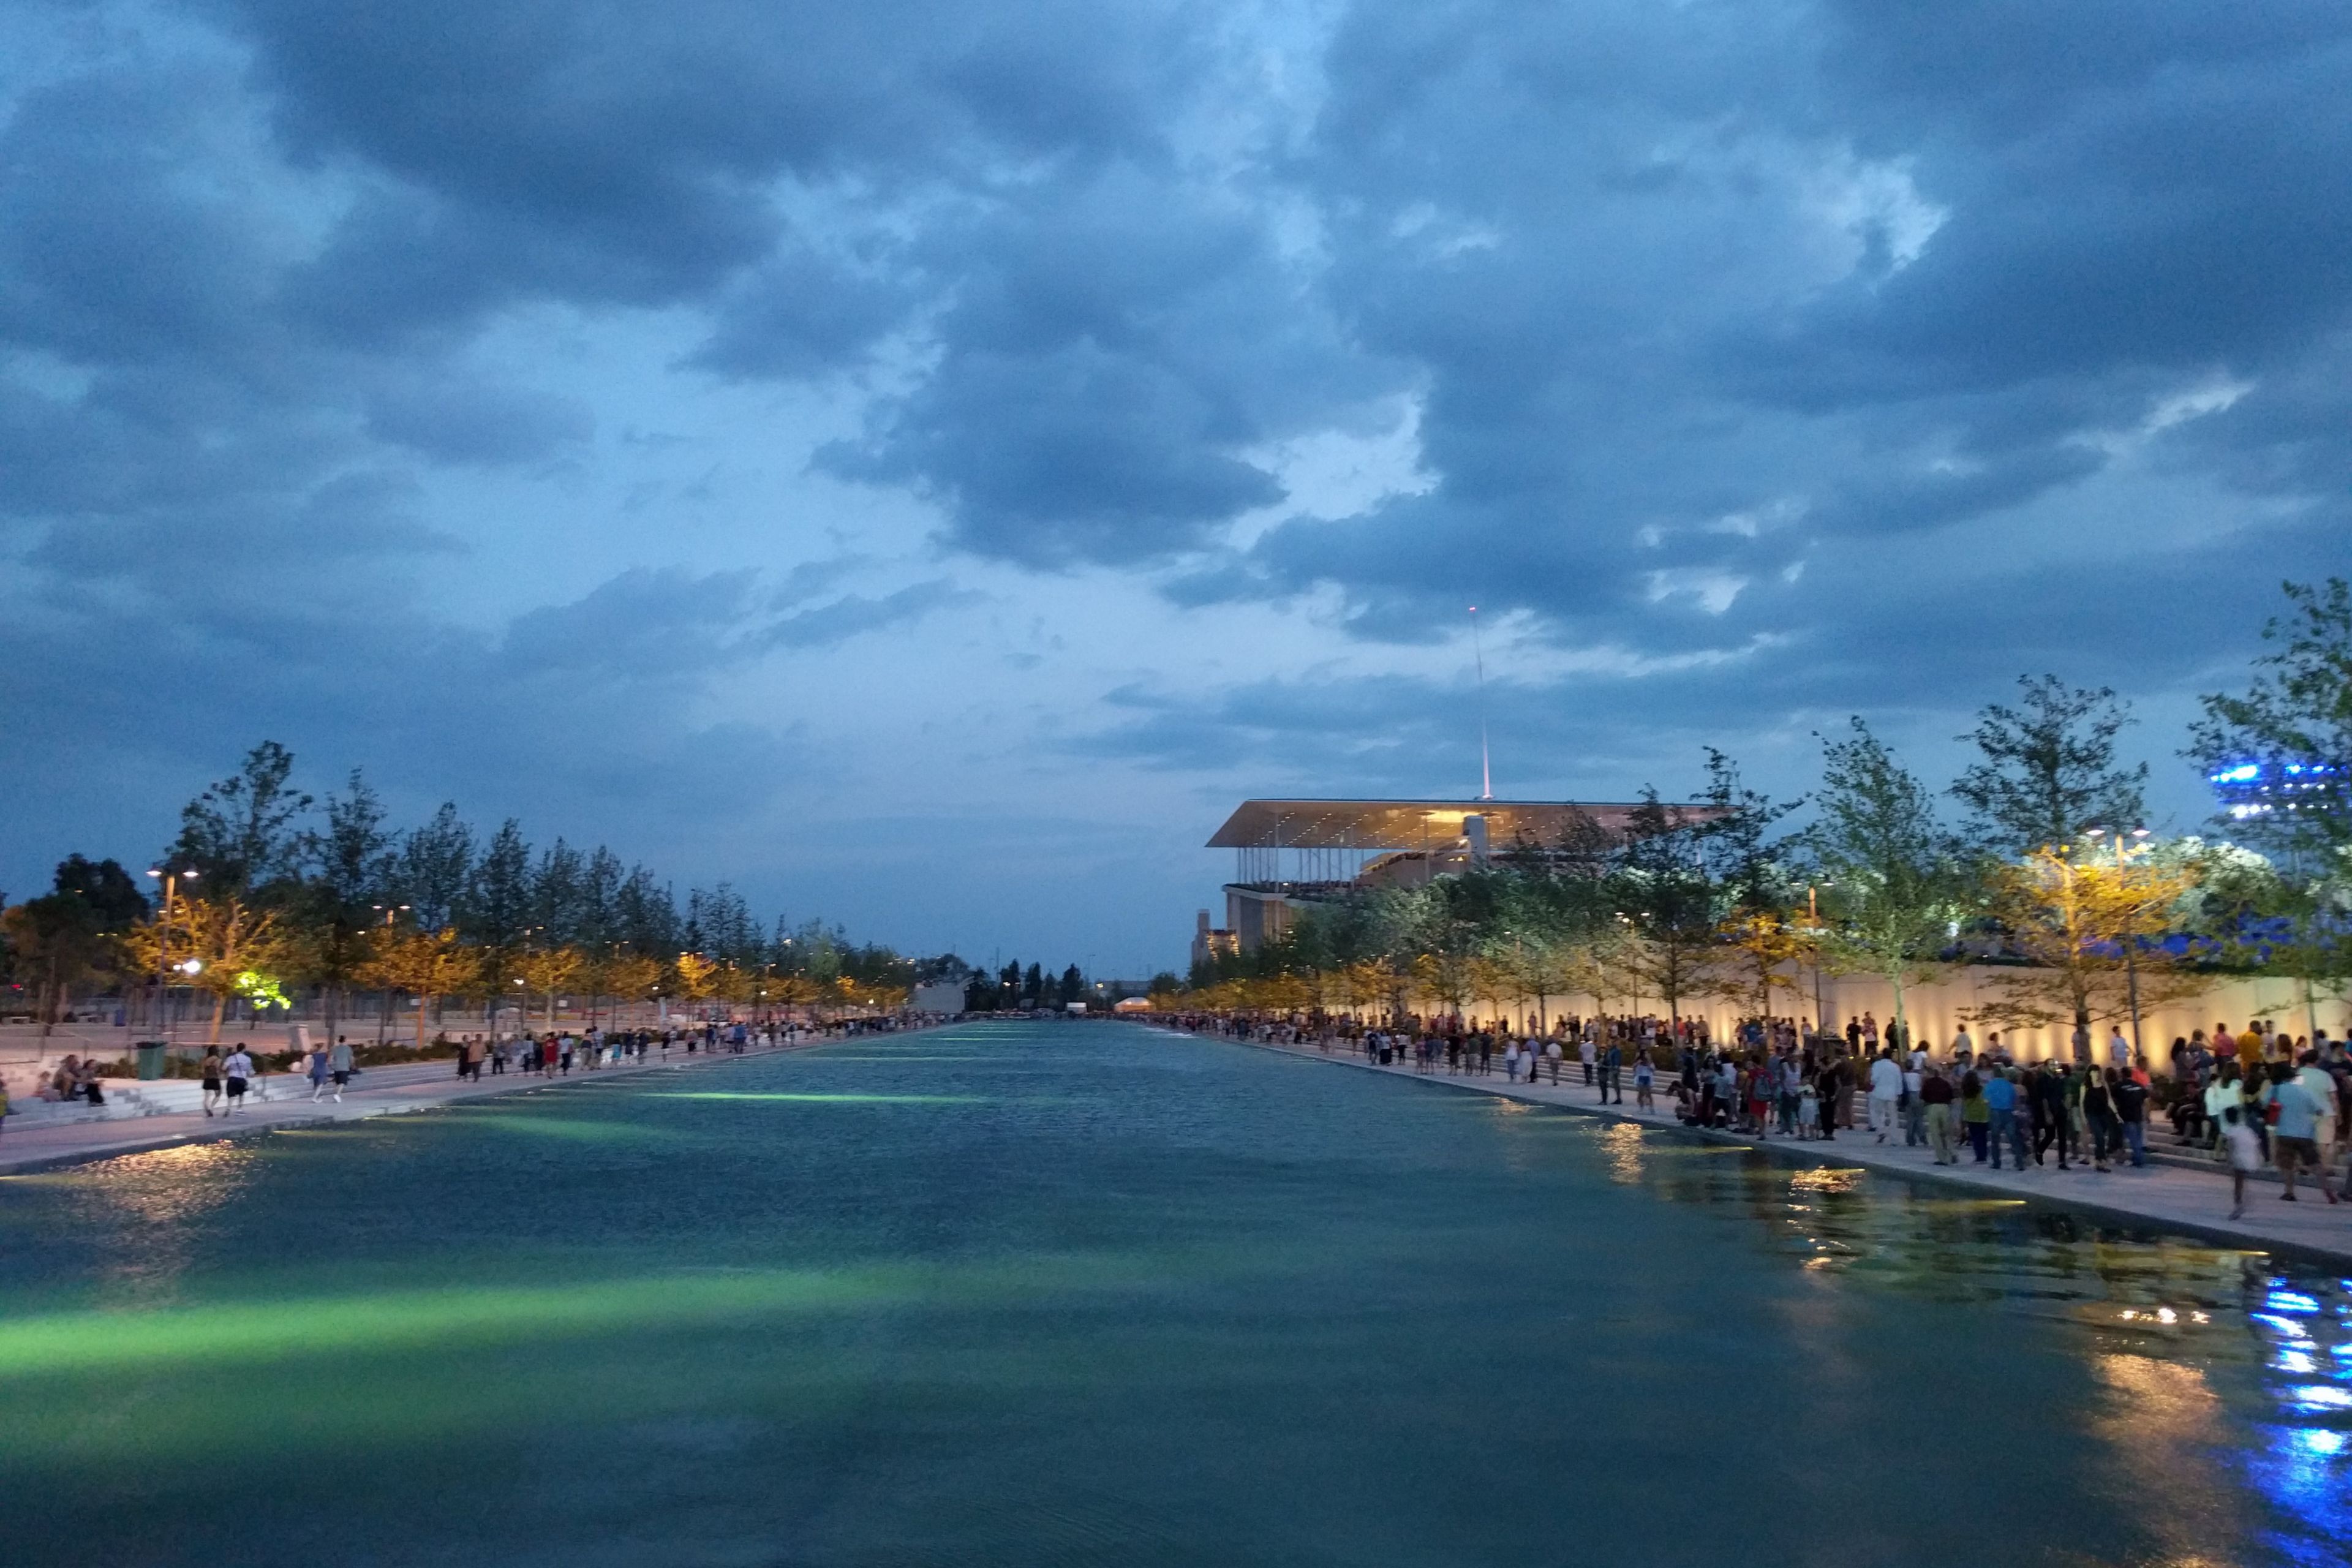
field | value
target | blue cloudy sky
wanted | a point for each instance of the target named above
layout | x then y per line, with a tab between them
926	460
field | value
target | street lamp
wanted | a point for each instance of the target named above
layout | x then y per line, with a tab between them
2131	938
384	1013
163	946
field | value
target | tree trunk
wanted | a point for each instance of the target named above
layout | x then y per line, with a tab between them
420	1010
220	1005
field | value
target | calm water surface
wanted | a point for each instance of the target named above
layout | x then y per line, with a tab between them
1092	1294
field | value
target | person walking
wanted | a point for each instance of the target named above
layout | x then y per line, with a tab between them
2224	1093
2320	1084
317	1067
1885	1094
211	1072
2293	1118
339	1065
2058	1107
1644	1076
2099	1115
1588	1052
2001	1100
2244	1150
1613	1071
237	1070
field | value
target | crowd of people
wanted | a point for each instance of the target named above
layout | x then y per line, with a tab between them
2250	1099
228	1074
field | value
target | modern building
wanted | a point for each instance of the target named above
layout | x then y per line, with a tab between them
1291	853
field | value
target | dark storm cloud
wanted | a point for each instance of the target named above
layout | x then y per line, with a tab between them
1777	350
1114	338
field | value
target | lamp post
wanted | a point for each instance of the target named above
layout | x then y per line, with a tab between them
384	1013
163	948
2131	938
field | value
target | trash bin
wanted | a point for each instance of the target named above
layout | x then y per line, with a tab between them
151	1059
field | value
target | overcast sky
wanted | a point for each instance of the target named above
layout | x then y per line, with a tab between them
925	461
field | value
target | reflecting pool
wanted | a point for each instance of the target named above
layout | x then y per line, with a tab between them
1023	1294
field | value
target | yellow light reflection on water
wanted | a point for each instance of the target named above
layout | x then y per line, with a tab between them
1625	1145
1828	1179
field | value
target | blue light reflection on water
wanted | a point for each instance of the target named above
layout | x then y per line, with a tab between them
2304	1466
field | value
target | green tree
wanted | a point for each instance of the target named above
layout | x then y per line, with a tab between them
238	949
428	965
1756	942
57	941
351	872
242	832
1671	904
2297	713
2046	771
435	872
499	905
2088	925
113	897
1894	875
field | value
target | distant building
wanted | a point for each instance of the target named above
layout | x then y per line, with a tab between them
1292	853
1209	943
937	996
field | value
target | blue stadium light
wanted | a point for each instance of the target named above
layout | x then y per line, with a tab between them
2252	789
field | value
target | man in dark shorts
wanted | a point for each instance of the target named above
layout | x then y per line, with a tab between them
239	1069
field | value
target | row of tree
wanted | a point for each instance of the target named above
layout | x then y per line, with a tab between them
267	891
1011	988
2047	876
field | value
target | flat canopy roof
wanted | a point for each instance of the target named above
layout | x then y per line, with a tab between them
1410	824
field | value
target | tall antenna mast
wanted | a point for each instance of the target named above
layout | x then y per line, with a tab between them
1486	763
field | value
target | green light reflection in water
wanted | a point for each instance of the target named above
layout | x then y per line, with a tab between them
251	1332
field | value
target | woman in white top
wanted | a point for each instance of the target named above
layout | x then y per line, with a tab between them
2224	1092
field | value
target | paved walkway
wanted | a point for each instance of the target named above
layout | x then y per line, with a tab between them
380	1092
2170	1198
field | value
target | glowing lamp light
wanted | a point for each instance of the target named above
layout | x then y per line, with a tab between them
190	966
